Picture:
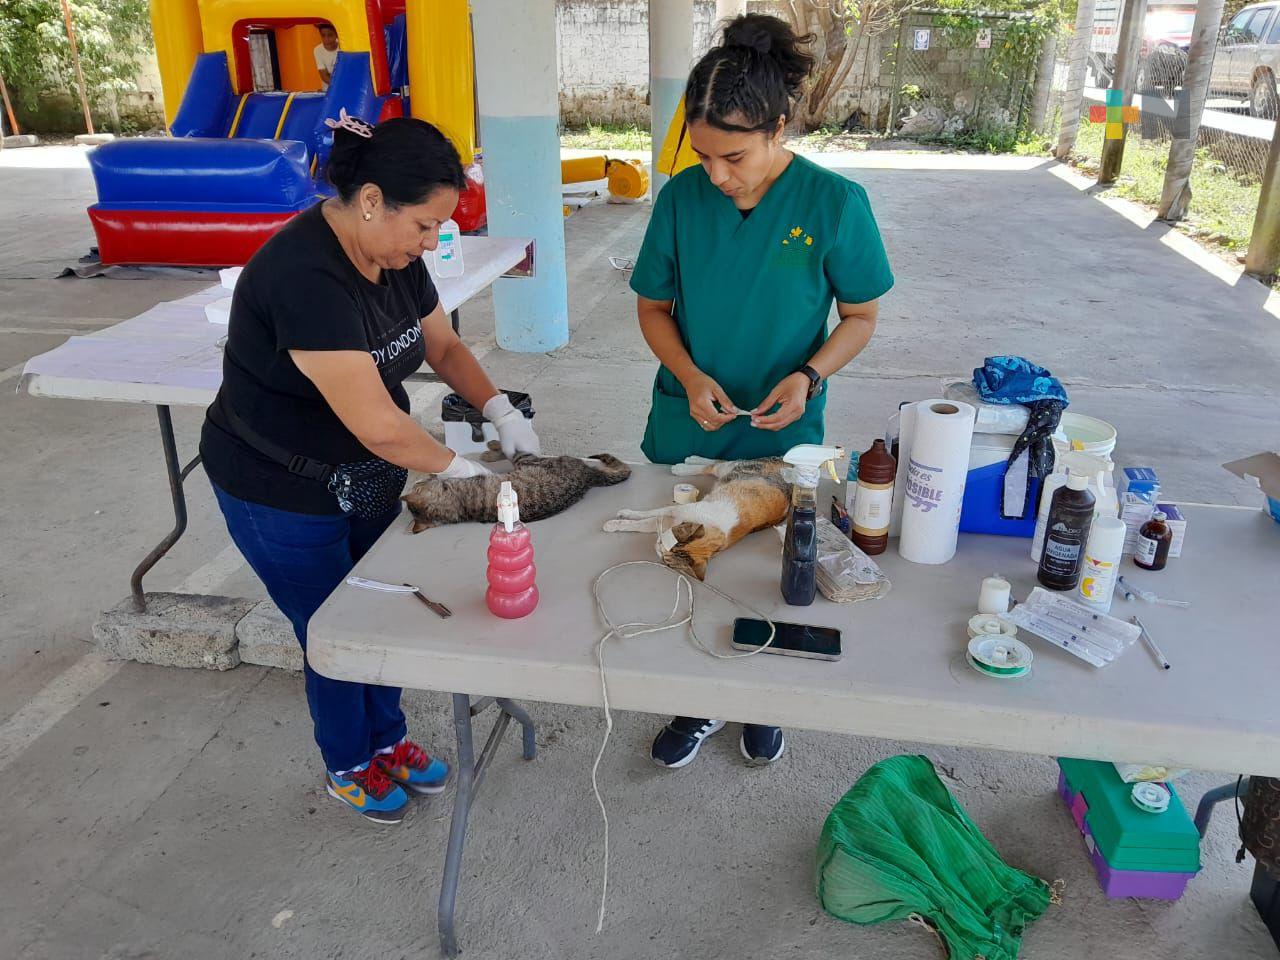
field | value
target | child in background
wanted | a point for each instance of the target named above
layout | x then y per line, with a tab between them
326	53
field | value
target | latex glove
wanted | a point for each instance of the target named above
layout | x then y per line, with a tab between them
515	431
460	468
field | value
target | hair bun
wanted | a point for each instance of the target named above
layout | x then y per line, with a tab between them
744	32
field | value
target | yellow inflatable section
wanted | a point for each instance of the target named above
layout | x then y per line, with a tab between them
442	70
676	153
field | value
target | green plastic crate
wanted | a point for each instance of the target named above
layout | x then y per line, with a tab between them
1129	838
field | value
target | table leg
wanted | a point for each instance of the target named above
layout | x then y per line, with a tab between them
465	774
1228	791
470	774
176	474
517	713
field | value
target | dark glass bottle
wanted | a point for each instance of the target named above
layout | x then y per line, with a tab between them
1067	532
1154	539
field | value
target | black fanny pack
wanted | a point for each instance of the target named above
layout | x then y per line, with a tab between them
368	489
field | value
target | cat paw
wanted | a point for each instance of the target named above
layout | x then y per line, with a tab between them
614	526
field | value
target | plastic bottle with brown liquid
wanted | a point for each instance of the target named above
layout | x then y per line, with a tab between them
873	505
1154	540
1067	532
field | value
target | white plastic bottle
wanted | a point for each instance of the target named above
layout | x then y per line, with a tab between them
448	253
1101	563
1051	483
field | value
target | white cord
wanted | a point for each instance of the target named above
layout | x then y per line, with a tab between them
629	631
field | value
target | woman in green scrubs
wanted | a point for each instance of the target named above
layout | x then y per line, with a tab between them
743	258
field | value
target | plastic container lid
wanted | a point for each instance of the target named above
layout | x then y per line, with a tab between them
1106	536
1077	481
1151	797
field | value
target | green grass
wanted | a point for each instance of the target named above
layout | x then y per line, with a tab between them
1223	205
606	137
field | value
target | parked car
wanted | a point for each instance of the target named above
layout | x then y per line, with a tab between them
1248	59
1166	38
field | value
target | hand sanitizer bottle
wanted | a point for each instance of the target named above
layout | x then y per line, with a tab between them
513	592
448	253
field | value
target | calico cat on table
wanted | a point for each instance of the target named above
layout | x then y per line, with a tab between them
748	495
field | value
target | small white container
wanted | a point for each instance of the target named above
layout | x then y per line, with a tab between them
448	253
1101	563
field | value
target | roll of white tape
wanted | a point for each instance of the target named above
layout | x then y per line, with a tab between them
685	493
987	624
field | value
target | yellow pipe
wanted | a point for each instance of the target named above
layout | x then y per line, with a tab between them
235	121
583	169
288	102
442	87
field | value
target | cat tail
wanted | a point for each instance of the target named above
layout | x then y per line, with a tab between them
614	470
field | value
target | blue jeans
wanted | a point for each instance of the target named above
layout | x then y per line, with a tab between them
301	558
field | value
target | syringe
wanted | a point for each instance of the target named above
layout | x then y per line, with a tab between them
1148	596
1059	636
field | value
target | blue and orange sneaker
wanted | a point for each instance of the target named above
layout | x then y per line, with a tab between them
368	792
410	766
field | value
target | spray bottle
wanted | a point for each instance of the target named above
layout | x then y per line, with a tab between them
512	591
800	549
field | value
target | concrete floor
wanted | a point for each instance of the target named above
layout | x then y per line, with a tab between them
156	813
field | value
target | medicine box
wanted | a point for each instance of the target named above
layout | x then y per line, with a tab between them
1139	480
1177	525
1134	853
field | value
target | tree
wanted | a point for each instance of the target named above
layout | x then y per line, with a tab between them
35	55
841	28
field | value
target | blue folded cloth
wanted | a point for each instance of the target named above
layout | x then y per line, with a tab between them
1016	380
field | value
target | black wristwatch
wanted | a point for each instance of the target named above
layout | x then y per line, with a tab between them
815	381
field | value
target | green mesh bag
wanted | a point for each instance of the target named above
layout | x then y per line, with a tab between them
897	845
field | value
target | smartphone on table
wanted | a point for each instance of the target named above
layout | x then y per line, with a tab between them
791	640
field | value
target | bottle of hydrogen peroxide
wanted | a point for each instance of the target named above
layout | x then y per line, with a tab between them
1067	533
800	548
448	253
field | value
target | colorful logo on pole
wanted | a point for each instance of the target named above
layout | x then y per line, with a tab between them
1115	115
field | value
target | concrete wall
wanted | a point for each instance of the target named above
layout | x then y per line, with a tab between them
604	58
604	62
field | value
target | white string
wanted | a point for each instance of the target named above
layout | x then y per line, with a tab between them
640	628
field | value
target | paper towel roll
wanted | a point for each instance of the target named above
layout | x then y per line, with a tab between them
936	470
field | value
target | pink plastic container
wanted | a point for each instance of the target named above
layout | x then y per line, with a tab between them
513	591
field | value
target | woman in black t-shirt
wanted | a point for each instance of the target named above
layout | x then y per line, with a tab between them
309	440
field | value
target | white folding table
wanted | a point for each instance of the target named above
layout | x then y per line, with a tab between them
903	675
171	355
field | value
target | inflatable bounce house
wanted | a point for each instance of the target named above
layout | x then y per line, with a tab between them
246	106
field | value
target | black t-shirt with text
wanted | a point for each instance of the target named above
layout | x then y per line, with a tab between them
302	292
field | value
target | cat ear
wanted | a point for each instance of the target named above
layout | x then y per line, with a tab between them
419	525
684	532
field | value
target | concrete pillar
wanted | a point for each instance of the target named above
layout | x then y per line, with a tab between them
728	9
1126	78
517	87
1263	259
670	56
1189	108
1073	95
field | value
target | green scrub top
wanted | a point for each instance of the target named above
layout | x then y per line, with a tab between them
752	297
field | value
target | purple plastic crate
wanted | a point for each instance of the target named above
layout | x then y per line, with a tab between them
1146	884
1119	884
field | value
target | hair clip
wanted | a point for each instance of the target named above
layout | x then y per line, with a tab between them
352	124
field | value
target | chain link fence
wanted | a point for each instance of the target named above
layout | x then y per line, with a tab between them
1232	144
958	78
